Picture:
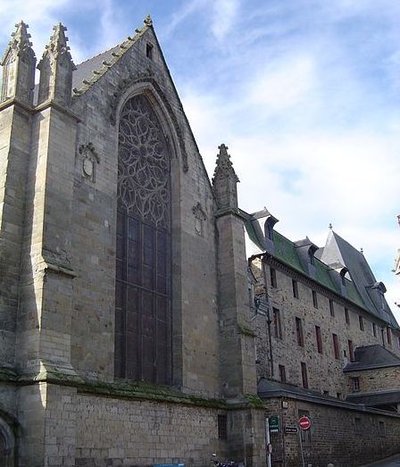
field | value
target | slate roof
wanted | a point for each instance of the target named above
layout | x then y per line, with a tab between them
360	285
375	399
371	357
368	288
84	71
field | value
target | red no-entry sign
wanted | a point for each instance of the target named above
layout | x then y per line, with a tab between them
304	423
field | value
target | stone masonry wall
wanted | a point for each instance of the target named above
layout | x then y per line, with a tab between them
121	432
324	371
338	435
375	380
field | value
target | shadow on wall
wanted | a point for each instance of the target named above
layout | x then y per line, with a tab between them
7	444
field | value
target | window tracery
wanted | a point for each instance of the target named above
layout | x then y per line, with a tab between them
143	290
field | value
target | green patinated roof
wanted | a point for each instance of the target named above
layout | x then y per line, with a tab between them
286	252
289	254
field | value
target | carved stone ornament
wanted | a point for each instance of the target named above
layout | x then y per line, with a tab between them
89	159
200	217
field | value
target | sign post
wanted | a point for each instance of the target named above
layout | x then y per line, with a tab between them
304	425
268	442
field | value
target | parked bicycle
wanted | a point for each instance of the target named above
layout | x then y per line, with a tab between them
226	463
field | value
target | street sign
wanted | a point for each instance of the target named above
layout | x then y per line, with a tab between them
273	423
304	423
290	429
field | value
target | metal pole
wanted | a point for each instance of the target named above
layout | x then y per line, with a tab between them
268	441
301	448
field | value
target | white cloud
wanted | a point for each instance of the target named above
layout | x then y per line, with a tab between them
224	17
282	85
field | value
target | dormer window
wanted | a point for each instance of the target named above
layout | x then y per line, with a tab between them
343	273
269	227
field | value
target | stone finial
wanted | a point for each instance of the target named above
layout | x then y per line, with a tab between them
19	43
19	66
224	166
225	180
58	42
148	21
56	68
330	226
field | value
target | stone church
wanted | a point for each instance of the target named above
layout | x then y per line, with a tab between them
134	331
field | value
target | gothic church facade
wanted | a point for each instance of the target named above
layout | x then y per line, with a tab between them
127	328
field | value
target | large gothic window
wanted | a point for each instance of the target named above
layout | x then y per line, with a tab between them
143	289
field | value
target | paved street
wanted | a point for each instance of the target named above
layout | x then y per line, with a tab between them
393	461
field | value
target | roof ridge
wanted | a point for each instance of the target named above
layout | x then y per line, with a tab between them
113	57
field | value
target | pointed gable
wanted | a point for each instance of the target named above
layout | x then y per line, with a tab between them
338	251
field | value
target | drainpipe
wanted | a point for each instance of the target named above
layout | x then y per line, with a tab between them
271	358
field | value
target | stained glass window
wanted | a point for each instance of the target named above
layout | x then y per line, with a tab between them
143	272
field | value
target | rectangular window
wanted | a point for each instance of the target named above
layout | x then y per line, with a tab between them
336	351
347	315
304	377
277	323
315	299
338	395
355	384
282	373
331	308
222	427
319	338
299	332
374	329
389	336
295	288
361	321
351	350
149	51
272	274
398	342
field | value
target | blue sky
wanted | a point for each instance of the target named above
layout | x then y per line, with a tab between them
305	93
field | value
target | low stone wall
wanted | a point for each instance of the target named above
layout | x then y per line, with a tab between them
339	434
123	432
